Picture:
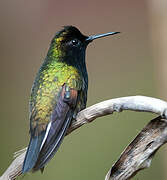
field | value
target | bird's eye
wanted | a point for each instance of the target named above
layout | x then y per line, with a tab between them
75	42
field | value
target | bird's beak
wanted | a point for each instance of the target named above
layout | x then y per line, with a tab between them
91	38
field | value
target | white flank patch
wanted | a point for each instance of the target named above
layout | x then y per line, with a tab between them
46	135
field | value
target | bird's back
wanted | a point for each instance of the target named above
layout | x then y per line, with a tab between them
46	88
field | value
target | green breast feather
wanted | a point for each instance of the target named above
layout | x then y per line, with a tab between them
46	90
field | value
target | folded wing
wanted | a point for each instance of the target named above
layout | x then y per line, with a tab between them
43	146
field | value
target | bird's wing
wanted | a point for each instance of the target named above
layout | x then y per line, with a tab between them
43	146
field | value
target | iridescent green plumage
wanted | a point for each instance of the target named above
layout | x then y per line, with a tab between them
46	90
50	79
59	92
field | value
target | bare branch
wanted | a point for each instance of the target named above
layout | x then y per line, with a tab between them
139	153
134	103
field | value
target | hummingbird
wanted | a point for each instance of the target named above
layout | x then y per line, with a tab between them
58	93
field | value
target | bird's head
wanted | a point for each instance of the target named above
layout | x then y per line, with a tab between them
70	44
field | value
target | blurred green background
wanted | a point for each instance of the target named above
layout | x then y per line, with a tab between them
121	65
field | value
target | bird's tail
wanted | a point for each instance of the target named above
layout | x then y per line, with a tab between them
32	152
50	148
